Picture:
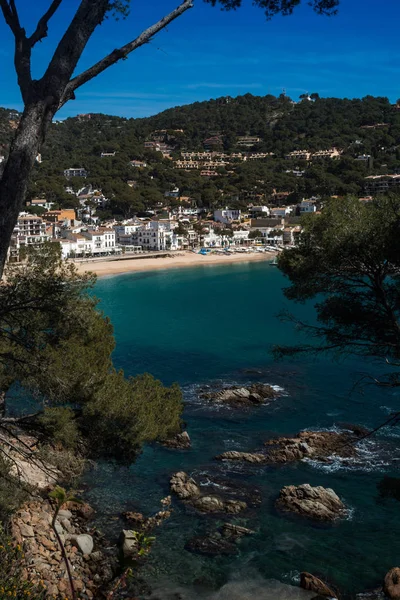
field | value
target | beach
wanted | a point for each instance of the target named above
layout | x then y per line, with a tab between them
178	260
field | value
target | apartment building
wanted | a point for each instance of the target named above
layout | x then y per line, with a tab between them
80	172
381	184
30	230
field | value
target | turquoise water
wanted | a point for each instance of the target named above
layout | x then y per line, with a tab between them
216	324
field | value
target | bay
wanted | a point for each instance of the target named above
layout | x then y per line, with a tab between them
216	325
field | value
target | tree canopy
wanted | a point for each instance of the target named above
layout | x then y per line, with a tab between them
56	345
348	260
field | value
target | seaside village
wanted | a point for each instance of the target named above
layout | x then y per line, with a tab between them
268	223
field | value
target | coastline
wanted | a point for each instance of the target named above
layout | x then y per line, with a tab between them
184	259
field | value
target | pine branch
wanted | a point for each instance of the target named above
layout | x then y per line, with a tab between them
123	52
42	26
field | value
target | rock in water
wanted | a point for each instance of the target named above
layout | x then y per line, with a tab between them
244	456
311	444
313	584
256	393
129	544
184	486
212	504
229	530
181	441
211	545
391	584
321	504
187	489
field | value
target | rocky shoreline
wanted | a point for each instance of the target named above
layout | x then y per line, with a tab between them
96	565
92	565
315	445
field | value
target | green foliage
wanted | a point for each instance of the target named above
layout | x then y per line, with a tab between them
255	233
59	426
12	584
144	543
141	410
57	346
12	493
348	259
283	7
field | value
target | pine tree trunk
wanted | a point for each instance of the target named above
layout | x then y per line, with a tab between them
23	152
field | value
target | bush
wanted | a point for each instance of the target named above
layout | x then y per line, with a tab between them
12	493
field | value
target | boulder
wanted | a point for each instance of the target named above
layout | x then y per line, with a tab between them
242	456
211	545
181	441
81	509
84	542
136	519
391	584
209	504
184	486
128	543
311	444
64	514
321	504
314	584
256	393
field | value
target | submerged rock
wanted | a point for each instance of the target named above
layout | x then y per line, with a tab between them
211	545
180	441
314	584
211	504
229	530
257	393
321	504
391	584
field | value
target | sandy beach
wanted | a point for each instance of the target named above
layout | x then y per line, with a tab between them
181	259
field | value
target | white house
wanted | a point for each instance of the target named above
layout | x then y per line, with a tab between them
307	206
240	237
226	215
281	211
41	202
254	211
212	240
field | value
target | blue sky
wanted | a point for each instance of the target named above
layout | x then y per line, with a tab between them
207	53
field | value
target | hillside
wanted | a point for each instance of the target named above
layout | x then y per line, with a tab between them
245	125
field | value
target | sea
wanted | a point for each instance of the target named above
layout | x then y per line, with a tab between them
215	325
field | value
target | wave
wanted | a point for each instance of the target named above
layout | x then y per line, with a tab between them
244	589
371	457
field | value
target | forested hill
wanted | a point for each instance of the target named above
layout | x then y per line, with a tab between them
357	127
283	125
